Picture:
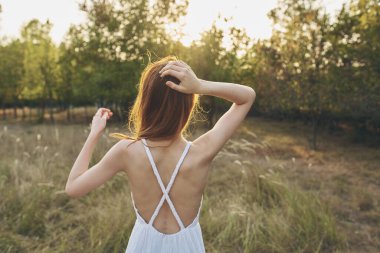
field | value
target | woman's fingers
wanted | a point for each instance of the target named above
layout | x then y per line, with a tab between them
183	64
171	85
174	86
182	72
171	66
172	72
103	111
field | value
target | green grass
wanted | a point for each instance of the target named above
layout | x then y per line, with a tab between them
248	210
249	205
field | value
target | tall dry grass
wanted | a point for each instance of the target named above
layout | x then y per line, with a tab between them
247	207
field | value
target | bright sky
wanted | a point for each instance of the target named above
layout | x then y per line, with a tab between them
249	14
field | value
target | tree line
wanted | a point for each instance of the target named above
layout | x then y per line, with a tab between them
321	69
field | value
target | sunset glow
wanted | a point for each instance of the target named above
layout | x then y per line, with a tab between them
248	14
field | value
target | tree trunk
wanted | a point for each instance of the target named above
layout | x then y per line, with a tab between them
30	112
41	117
23	113
68	113
120	112
51	113
315	121
72	108
15	111
4	113
86	114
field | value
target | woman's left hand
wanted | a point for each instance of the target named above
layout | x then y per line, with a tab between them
99	121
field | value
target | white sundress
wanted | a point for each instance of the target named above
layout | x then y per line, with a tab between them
145	238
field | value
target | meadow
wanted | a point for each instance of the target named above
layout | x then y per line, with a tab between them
278	186
267	192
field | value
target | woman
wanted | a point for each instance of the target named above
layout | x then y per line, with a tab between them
167	174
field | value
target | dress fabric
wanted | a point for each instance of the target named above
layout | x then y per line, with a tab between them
145	238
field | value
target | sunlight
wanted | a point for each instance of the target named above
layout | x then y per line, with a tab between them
251	15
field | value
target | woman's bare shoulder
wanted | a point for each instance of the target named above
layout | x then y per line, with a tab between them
127	151
129	146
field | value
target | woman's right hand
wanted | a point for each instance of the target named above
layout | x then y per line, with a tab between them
189	83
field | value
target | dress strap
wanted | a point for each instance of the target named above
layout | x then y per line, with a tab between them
165	191
200	206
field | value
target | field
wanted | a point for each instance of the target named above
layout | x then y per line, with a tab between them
267	192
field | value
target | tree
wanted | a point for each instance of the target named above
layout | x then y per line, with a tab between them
355	64
300	40
110	48
41	76
11	73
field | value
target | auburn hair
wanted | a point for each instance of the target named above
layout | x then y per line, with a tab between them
159	111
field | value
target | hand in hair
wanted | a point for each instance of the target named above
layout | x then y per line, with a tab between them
189	83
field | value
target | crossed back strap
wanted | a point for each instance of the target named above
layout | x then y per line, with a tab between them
165	191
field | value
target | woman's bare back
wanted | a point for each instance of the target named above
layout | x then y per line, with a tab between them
187	188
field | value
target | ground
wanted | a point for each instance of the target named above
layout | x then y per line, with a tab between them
36	159
345	174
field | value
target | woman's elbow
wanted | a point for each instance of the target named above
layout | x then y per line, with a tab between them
72	193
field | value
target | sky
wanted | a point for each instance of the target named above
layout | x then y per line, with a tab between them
248	14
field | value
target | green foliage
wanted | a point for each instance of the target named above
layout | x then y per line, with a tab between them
355	54
317	69
313	67
269	215
9	244
11	67
41	73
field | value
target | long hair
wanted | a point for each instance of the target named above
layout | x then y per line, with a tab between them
159	111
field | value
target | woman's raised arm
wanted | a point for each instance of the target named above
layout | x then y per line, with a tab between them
241	96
